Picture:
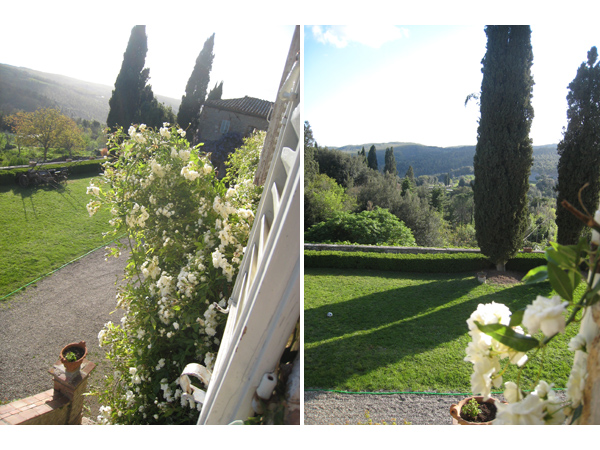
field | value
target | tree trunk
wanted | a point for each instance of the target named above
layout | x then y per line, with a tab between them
501	266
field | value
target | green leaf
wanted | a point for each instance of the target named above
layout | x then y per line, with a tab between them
509	337
560	281
516	318
536	275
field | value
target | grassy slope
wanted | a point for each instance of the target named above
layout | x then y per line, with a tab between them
405	332
44	228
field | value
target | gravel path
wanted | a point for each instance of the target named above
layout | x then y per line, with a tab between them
71	305
329	408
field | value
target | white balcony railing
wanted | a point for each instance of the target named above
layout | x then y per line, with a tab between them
265	303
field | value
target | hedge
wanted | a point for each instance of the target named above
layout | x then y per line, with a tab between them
420	263
94	167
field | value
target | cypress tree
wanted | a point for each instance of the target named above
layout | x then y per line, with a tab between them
390	162
127	95
216	93
410	174
503	155
195	90
579	150
372	158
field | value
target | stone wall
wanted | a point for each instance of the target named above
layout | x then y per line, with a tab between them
211	119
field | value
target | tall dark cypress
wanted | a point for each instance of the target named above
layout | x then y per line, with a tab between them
504	151
579	150
372	158
195	90
390	162
127	95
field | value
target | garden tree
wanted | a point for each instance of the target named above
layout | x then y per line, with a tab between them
410	174
378	190
390	162
438	199
426	224
323	198
216	93
195	90
579	149
372	158
43	128
447	179
309	140
346	169
127	95
376	227
362	155
71	136
503	155
406	186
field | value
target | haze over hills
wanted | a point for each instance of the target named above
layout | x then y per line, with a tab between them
27	90
431	160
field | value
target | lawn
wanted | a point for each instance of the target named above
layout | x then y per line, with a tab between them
404	332
44	228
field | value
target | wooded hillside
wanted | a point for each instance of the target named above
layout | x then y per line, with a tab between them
430	160
27	90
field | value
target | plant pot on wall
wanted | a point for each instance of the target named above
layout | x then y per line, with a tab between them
485	417
72	355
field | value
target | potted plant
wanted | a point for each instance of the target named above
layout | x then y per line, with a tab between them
474	411
481	276
527	249
72	355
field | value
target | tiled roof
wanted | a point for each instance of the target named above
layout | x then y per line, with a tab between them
247	105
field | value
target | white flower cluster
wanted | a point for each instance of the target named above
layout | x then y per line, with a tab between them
542	406
485	353
133	219
137	136
94	190
588	330
150	268
188	173
546	314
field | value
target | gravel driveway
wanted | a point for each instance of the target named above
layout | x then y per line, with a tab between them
330	408
71	305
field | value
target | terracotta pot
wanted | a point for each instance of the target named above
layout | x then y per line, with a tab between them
527	249
481	277
455	411
73	366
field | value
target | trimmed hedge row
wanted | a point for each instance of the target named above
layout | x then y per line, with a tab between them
9	176
419	263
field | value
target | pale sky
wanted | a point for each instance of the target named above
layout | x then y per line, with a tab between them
381	83
86	40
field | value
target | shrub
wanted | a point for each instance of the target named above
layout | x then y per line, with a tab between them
377	227
186	234
419	263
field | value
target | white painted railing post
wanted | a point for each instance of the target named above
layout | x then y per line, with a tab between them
265	303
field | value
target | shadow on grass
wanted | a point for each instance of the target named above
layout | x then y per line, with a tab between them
370	332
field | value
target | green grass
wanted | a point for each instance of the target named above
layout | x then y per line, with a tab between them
44	228
406	332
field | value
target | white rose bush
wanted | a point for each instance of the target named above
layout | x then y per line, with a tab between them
186	235
500	337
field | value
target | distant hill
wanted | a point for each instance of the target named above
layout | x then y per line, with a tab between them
430	160
27	90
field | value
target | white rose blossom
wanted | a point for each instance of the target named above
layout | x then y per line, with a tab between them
546	314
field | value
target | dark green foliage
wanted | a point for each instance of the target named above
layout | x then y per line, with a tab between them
345	169
390	162
323	199
372	158
503	155
8	177
438	199
216	93
580	150
420	262
410	174
128	94
309	140
377	227
195	90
